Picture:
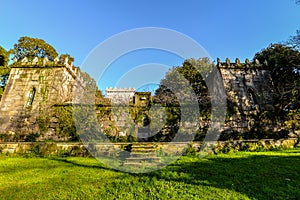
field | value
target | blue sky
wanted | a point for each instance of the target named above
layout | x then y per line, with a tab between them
225	28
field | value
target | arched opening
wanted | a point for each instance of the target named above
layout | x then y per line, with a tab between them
31	97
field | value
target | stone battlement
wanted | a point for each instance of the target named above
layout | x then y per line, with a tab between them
120	95
45	63
34	86
249	90
109	90
239	65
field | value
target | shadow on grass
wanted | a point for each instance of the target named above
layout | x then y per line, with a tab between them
257	176
78	164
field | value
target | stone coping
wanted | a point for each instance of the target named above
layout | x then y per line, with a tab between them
124	143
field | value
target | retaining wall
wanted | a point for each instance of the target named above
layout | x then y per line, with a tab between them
78	149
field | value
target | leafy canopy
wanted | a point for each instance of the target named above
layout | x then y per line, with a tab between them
3	57
33	47
189	73
284	64
294	40
4	69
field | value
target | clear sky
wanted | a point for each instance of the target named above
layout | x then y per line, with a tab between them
225	28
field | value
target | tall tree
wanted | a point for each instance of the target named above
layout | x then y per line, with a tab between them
3	57
33	47
284	64
294	40
4	69
189	73
177	84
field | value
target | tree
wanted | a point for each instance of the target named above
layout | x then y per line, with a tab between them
193	73
4	69
33	47
188	72
294	40
3	57
284	64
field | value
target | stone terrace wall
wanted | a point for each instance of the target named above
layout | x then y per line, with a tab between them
78	149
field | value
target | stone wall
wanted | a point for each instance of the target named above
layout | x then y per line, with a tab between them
34	89
31	92
249	91
120	95
78	149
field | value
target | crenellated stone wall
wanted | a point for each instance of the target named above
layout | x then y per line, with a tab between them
35	87
32	91
249	90
120	95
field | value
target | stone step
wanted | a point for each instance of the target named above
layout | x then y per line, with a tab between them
139	164
140	159
143	151
142	154
142	146
132	164
136	154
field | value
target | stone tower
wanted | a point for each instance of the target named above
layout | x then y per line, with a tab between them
249	91
33	88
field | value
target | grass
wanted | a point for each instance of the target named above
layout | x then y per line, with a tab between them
242	175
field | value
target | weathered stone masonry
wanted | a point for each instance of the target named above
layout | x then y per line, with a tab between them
31	91
249	90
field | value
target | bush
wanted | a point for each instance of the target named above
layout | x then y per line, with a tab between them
66	125
190	150
31	137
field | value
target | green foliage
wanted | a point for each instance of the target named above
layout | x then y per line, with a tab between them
4	69
87	123
20	137
253	145
190	150
294	40
33	47
293	123
231	109
36	151
231	135
3	57
65	125
4	137
284	64
31	137
192	74
43	121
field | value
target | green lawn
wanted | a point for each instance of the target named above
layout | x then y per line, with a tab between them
243	175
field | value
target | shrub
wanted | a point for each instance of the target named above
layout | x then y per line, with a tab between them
31	137
190	150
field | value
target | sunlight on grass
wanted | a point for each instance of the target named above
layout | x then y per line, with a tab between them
243	175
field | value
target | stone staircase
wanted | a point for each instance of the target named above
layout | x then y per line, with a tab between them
142	154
